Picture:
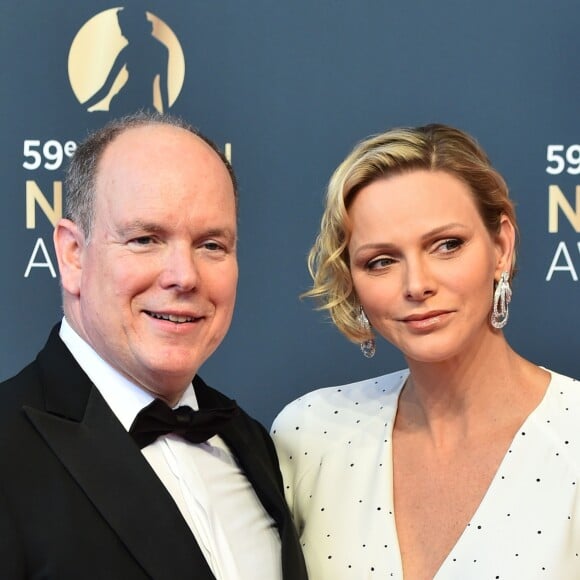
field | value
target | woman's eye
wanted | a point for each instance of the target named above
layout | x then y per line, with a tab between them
379	263
450	245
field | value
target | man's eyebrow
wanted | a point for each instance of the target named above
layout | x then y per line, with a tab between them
146	227
220	232
139	226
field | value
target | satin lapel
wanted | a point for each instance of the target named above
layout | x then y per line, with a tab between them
102	458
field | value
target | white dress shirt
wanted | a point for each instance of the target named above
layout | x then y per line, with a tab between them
235	533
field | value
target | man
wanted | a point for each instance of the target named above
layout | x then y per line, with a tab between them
147	259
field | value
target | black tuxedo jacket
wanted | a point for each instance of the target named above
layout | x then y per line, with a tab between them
78	499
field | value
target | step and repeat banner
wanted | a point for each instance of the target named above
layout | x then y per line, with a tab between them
286	89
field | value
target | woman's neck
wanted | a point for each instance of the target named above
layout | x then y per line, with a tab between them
468	395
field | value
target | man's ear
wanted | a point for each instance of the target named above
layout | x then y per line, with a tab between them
69	245
505	243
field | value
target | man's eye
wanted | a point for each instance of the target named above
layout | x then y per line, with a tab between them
142	240
213	246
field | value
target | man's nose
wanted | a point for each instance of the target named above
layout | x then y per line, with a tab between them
180	270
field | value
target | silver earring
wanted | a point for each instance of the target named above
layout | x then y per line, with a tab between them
501	299
367	347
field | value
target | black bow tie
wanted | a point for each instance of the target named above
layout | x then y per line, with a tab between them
158	419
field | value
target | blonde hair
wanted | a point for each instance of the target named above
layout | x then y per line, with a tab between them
432	147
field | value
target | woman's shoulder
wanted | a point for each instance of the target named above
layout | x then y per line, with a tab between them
336	404
564	393
322	422
558	416
563	381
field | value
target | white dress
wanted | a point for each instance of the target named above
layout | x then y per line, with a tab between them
335	452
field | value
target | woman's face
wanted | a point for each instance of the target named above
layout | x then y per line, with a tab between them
423	263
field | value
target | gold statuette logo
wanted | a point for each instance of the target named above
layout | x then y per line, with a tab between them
123	59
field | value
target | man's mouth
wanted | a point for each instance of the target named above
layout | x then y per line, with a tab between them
172	317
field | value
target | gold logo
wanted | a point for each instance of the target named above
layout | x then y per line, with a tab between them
123	59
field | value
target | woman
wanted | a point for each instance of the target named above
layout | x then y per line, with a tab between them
466	465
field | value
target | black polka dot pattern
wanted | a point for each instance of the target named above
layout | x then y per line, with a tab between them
335	453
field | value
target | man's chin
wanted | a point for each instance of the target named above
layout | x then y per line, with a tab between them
169	382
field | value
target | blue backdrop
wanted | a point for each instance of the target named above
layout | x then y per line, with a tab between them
288	88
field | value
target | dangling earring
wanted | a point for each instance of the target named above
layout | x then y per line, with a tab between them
501	299
367	346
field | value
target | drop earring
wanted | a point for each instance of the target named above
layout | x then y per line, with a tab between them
367	347
501	299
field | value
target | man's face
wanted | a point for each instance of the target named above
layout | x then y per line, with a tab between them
156	284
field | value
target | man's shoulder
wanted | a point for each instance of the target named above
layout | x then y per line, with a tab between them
16	394
20	389
26	387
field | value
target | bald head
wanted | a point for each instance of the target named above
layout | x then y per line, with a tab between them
81	176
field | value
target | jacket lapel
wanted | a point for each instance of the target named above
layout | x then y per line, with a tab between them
88	439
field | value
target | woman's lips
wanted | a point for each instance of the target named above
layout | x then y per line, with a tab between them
427	320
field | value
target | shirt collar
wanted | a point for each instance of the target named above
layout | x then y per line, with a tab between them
124	397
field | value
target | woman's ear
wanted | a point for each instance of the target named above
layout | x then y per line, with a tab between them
69	244
505	243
